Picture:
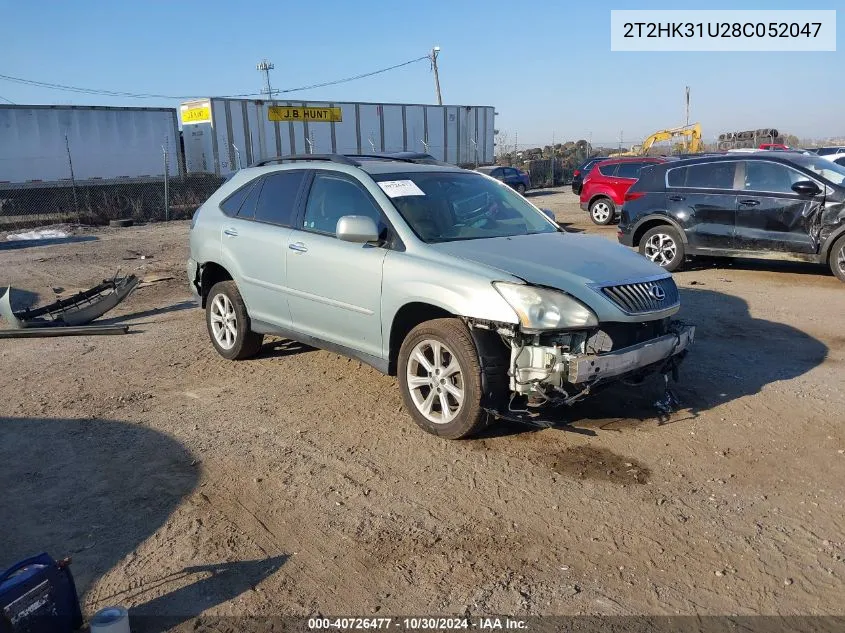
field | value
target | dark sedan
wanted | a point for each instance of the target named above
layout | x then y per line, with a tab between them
516	178
762	205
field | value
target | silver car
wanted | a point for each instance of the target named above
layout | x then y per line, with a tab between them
476	299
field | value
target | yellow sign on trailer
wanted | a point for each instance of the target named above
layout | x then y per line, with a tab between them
310	115
196	114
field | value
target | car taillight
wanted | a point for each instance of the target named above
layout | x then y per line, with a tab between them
577	172
634	195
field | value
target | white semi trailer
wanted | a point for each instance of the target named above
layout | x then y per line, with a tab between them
221	135
55	145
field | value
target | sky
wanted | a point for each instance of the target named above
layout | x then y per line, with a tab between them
546	67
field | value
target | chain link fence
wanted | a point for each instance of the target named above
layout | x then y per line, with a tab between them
170	196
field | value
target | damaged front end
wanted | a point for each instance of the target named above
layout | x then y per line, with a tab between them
560	353
564	367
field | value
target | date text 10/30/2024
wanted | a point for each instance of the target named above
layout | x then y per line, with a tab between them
417	623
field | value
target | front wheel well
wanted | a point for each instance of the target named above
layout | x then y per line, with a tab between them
210	274
650	224
406	319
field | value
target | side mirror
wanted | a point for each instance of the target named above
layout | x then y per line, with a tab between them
806	188
356	228
550	214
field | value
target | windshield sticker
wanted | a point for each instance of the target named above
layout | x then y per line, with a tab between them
399	188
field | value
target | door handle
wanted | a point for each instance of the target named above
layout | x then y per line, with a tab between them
677	198
230	232
299	247
749	203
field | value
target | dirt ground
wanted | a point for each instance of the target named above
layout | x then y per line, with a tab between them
295	483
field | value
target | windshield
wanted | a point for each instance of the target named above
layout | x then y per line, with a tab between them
450	206
823	167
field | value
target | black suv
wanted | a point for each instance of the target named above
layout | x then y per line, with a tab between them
770	205
581	172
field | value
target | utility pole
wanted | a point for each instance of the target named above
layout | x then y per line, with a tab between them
433	57
620	140
265	67
687	106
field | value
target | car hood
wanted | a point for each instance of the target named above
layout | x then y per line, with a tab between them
565	261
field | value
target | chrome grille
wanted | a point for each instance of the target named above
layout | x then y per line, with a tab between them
644	296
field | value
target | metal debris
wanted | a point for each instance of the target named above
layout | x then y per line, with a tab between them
78	309
65	330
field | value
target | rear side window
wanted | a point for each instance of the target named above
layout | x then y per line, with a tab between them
608	170
277	202
706	176
231	205
248	207
629	170
589	164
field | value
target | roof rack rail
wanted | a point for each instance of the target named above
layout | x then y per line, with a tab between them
334	158
401	159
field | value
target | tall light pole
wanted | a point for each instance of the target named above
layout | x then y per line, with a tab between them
433	57
265	67
687	106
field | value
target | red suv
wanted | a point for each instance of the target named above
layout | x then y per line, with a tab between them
604	188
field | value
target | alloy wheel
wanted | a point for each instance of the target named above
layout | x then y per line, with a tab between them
224	322
601	212
435	381
661	249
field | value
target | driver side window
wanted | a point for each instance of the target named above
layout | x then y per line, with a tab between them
334	196
764	176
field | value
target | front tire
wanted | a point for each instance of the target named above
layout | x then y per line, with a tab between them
228	323
520	189
602	211
663	246
837	259
440	379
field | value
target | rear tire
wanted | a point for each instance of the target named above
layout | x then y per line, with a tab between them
602	211
228	323
663	246
837	259
439	372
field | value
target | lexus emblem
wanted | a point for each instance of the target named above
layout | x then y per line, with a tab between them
657	293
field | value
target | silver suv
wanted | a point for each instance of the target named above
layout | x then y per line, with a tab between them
476	299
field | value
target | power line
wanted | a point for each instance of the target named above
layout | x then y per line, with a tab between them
347	79
133	95
7	100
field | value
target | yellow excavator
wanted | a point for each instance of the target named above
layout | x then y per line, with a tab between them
690	133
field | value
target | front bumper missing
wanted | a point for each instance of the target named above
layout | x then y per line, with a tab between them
547	374
629	360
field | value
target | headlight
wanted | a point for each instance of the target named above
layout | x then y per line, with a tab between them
542	309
